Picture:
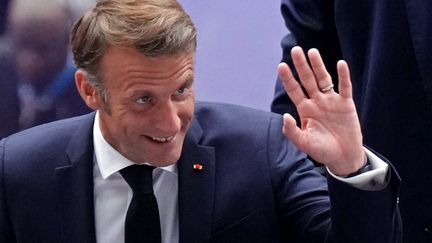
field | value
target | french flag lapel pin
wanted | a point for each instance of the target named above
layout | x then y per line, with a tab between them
197	166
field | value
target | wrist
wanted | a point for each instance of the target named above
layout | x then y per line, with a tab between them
365	168
351	169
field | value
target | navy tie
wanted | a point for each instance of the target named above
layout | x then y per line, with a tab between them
142	218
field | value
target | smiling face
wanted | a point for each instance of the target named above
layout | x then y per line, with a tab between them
150	103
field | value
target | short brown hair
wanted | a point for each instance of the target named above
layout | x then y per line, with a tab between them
153	27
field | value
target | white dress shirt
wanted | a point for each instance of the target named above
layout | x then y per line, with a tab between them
372	180
112	194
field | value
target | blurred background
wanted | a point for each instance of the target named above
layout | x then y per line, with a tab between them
238	50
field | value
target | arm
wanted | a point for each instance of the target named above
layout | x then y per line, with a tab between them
363	215
330	133
313	209
311	25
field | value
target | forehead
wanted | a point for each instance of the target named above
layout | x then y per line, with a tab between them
122	63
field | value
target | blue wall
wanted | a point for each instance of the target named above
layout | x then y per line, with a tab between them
238	49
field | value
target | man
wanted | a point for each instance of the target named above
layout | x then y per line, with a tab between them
39	31
387	45
223	173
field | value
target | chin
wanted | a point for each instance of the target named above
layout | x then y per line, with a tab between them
165	161
162	163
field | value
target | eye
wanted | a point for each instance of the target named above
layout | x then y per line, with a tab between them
143	99
182	90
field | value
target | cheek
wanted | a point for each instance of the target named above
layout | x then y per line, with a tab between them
127	118
135	124
120	121
187	111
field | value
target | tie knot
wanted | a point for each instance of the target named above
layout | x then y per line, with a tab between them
139	178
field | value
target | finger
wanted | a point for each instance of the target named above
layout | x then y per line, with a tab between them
305	73
323	78
345	86
290	129
292	87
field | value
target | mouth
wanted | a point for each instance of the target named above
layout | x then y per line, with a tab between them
161	139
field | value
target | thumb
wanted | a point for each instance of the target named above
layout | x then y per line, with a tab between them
290	129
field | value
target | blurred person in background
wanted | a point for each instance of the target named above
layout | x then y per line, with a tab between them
38	33
3	9
387	45
9	104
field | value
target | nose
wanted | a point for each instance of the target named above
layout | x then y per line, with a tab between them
166	118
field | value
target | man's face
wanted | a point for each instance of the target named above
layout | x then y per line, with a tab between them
150	104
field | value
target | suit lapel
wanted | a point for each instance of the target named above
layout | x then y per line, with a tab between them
75	187
196	188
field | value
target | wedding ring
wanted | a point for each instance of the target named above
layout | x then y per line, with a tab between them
327	89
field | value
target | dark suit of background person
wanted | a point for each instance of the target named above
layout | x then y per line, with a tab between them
3	9
9	107
387	45
251	173
9	104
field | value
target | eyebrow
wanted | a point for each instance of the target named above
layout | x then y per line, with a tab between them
189	81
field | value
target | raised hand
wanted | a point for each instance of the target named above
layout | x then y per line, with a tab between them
330	130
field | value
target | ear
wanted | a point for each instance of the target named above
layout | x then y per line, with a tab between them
88	93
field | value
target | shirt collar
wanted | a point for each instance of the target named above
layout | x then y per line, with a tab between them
108	159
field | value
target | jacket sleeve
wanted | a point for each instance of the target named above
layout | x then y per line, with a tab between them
313	208
311	25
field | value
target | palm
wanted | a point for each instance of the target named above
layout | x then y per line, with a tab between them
330	131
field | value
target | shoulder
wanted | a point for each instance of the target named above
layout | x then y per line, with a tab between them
208	113
228	122
44	140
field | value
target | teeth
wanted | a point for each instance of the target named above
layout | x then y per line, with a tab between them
162	140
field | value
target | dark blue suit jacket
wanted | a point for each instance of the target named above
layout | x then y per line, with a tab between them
387	44
9	101
255	186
